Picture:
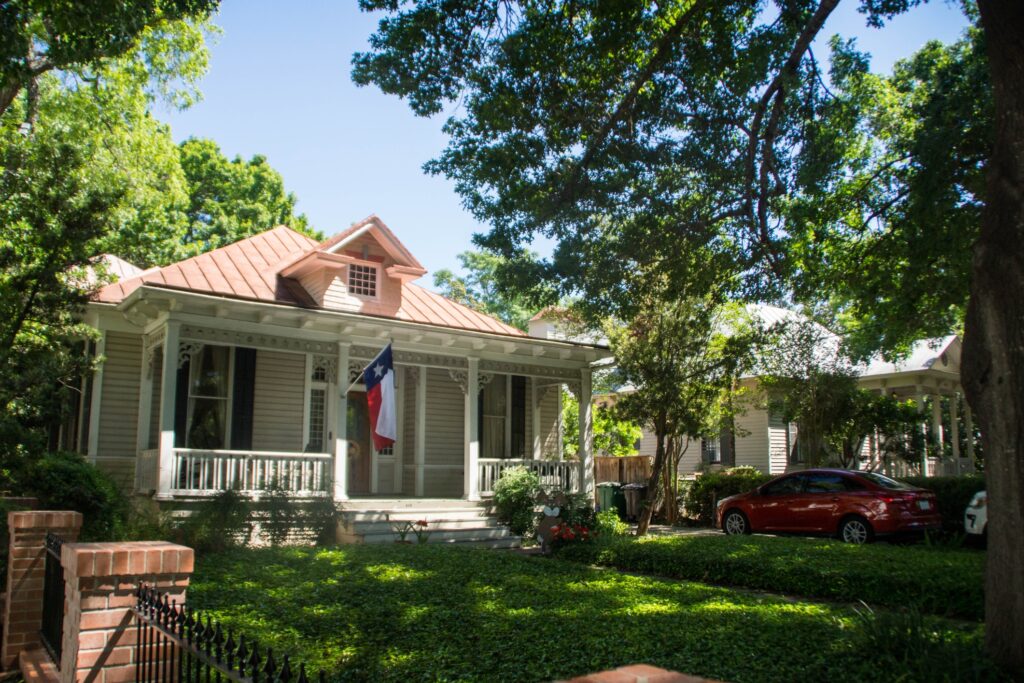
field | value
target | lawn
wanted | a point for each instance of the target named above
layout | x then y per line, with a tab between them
937	580
429	613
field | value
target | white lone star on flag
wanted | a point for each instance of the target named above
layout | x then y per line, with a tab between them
378	369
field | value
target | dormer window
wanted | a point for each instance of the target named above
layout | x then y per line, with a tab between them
362	280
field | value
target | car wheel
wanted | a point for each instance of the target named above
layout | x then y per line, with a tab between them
735	523
856	530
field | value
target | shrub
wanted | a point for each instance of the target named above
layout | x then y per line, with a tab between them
710	487
607	523
952	494
936	580
65	481
218	524
515	497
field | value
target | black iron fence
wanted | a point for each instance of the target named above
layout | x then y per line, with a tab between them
176	644
52	631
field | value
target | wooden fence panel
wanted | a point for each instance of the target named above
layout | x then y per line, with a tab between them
633	469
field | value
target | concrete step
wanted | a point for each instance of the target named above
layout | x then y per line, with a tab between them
408	504
414	515
375	526
440	535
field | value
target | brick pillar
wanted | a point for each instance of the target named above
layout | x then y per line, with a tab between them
101	579
25	564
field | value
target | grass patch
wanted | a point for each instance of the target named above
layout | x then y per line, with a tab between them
429	613
935	580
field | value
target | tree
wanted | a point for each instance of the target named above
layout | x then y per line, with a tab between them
79	37
481	289
613	434
684	369
233	199
625	130
896	425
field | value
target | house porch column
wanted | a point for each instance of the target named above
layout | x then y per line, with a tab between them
420	454
954	430
937	436
471	474
923	428
969	428
168	396
341	425
586	421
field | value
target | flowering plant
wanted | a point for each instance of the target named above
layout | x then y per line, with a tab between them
564	533
420	529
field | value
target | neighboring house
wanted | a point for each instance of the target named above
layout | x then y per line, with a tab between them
765	441
232	369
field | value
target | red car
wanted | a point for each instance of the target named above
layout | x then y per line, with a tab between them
854	505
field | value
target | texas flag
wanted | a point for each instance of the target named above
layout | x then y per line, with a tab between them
379	378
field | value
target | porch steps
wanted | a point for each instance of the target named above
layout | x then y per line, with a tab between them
449	521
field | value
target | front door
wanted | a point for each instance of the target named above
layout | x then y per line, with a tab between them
359	444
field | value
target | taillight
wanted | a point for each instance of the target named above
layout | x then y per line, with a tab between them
898	500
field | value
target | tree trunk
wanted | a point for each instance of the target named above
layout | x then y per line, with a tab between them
993	354
647	512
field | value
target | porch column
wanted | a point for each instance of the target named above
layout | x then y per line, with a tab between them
145	397
168	394
341	426
420	455
586	449
954	431
535	419
923	428
93	446
969	428
937	433
471	475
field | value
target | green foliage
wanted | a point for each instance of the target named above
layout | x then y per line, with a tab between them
222	522
905	640
935	580
65	481
481	290
515	497
229	200
607	523
952	494
706	490
613	434
402	613
578	510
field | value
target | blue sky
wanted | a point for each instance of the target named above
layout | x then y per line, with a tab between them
279	85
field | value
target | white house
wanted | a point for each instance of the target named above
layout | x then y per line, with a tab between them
230	370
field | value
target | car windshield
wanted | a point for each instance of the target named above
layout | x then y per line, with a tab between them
886	482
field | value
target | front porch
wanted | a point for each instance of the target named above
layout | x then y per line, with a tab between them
233	408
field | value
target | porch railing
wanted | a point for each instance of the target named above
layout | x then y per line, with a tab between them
553	474
204	473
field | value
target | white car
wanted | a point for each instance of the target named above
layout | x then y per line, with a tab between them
976	515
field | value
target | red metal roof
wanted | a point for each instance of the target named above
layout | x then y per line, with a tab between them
248	269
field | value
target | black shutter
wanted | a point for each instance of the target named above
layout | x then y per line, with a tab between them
181	406
518	416
242	395
727	447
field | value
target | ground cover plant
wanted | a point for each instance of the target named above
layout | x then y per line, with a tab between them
437	613
936	580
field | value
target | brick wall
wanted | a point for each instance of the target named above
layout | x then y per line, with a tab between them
25	565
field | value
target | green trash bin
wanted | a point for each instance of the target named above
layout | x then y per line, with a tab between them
606	494
619	501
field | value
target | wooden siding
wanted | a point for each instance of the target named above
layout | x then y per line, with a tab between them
690	461
119	400
528	431
777	444
752	439
121	470
549	409
409	448
153	438
444	432
278	401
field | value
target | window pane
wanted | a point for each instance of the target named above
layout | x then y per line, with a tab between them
784	486
362	280
825	483
206	430
886	482
317	411
210	373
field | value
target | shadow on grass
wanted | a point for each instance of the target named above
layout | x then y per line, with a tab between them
405	613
